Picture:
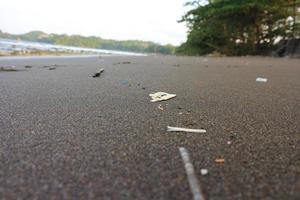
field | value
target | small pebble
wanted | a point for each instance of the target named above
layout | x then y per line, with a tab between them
204	172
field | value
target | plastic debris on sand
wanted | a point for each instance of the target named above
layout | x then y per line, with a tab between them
177	129
8	69
97	74
259	79
161	96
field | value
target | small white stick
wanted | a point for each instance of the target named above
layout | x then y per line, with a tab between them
189	168
177	129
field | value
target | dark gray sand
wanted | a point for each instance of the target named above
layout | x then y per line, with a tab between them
66	135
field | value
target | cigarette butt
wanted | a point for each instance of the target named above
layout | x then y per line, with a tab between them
220	160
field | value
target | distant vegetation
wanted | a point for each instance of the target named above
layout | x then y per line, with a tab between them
92	42
239	27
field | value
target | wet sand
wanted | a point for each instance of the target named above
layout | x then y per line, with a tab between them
66	135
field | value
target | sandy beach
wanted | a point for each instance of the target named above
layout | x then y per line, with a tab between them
67	135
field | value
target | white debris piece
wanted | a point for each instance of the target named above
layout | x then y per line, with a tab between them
204	172
259	79
161	96
8	69
177	129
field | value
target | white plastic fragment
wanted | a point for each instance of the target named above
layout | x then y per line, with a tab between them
177	129
204	172
161	96
8	69
259	79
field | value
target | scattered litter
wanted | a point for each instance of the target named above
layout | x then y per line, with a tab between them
180	113
161	96
160	107
124	62
220	160
97	74
8	69
229	142
177	129
259	79
28	66
52	68
204	172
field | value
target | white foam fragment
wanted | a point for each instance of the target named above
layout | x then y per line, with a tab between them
161	96
259	79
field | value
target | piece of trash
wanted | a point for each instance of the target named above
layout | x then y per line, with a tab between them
97	74
8	69
220	160
229	142
52	68
188	130
204	172
28	66
180	113
160	107
143	88
161	96
259	79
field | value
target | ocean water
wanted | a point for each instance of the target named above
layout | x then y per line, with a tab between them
7	45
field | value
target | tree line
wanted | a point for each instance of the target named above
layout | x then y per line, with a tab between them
239	27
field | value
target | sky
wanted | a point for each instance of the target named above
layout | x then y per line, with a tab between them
149	20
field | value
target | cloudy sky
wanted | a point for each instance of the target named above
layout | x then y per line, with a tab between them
151	20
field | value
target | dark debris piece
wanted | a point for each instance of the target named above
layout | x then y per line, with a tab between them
97	74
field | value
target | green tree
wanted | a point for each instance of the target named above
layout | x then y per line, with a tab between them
237	27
